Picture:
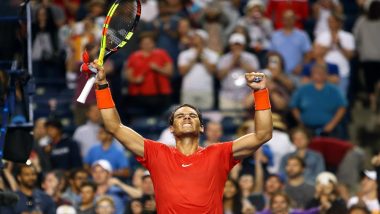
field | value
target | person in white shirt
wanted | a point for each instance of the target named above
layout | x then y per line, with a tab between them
367	192
86	134
341	47
197	65
232	67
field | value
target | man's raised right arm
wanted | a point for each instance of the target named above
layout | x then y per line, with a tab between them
111	119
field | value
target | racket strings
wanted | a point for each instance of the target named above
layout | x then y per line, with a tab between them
122	22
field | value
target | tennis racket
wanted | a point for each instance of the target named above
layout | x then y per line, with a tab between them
119	25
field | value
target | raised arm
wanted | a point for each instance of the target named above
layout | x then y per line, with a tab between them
246	145
125	135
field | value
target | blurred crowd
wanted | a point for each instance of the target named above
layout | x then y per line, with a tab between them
320	57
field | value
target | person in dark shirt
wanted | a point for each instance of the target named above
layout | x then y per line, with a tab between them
31	199
63	151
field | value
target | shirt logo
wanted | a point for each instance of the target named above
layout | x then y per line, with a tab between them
186	165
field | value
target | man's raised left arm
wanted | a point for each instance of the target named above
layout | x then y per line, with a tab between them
246	145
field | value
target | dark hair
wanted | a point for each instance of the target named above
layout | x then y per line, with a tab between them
237	202
54	123
277	176
359	207
303	130
75	171
299	159
147	34
374	11
171	118
91	184
20	166
277	54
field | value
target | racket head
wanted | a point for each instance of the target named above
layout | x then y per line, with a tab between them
121	21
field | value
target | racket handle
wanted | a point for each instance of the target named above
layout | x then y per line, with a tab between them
86	89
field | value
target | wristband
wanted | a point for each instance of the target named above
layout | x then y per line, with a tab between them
262	101
103	86
104	99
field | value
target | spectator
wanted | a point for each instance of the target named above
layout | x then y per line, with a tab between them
213	132
197	65
63	151
277	8
327	197
76	179
314	161
293	44
31	199
232	202
341	46
214	22
52	184
148	198
366	30
45	50
38	157
296	187
150	8
318	56
135	207
184	34
148	72
86	134
319	105
280	203
87	192
367	192
232	67
273	184
101	172
322	9
108	150
280	83
280	144
259	28
105	205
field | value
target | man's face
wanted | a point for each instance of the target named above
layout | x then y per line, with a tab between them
246	182
300	140
147	186
103	135
27	177
333	23
147	44
367	185
87	194
318	74
39	129
186	122
294	168
214	131
53	132
100	175
93	114
273	185
79	178
279	205
289	19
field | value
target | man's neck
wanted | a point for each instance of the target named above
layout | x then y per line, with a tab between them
301	152
296	181
27	191
188	145
86	206
288	30
102	189
106	145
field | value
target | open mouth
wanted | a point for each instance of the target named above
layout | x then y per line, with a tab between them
186	125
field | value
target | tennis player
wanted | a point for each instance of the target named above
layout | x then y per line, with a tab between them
188	178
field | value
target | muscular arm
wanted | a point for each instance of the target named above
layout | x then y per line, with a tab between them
246	145
125	135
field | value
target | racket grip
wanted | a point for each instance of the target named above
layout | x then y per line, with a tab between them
86	89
